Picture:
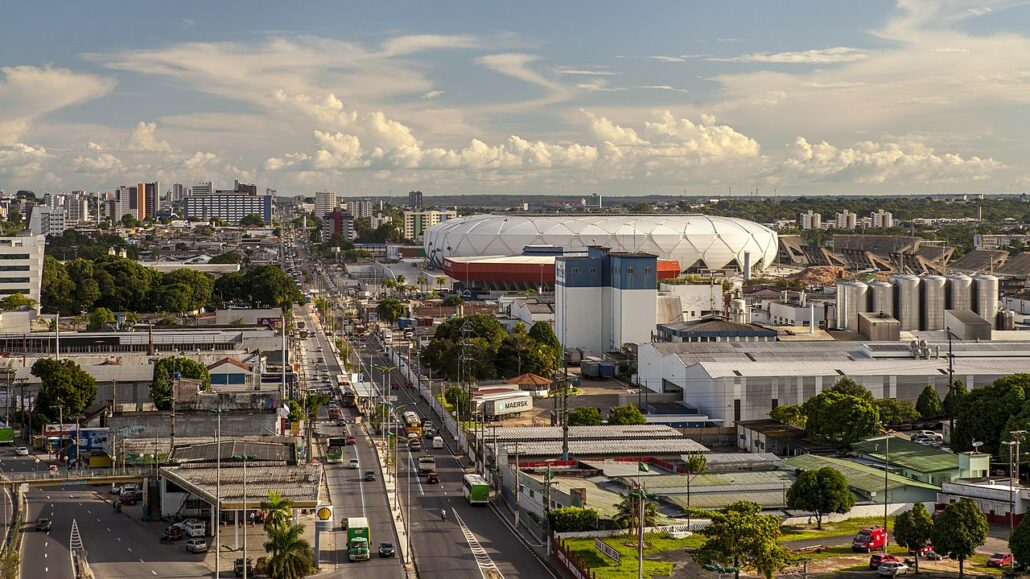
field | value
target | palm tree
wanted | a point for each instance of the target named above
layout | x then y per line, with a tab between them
628	512
279	509
695	465
289	556
422	282
441	281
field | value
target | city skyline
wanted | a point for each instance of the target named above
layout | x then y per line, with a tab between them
450	98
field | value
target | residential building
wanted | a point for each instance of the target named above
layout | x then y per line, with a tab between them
148	205
415	200
376	221
77	207
202	189
325	202
1000	240
846	220
337	222
882	219
810	220
21	265
179	191
604	300
361	208
47	220
417	222
231	207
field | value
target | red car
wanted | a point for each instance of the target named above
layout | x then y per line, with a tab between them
879	558
1000	560
351	440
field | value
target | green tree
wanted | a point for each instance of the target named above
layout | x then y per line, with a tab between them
164	373
585	416
851	388
289	555
542	333
56	287
627	414
983	413
958	531
99	318
694	465
627	511
1019	543
278	510
16	302
894	411
227	257
913	528
822	492
518	354
195	289
572	519
252	219
841	419
954	398
791	415
87	290
390	309
929	404
63	385
740	534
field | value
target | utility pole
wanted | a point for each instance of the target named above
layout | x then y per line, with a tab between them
951	387
518	503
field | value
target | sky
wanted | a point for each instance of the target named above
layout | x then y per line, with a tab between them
523	98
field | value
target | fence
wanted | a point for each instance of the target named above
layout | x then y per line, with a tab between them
570	563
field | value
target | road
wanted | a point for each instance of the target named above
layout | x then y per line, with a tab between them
441	547
118	545
351	496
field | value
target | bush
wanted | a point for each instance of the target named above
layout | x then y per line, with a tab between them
572	519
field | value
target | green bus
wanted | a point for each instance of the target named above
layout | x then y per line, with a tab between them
476	489
334	450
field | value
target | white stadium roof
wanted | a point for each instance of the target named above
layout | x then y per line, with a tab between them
717	241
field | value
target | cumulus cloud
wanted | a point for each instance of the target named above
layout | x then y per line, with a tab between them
144	138
814	56
21	160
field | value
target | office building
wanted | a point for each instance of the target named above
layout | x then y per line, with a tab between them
810	220
77	207
325	202
846	220
230	206
337	222
415	200
604	300
21	265
46	220
416	222
882	219
149	206
202	189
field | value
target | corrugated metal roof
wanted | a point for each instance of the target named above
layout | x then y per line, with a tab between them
543	433
910	455
864	478
300	483
608	447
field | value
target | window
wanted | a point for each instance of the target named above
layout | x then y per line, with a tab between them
775	403
647	270
14	256
629	270
736	410
14	280
575	270
593	270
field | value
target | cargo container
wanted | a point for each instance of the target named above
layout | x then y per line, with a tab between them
591	370
358	539
502	408
404	323
425	320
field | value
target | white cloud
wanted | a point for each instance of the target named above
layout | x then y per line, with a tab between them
29	92
980	11
664	87
433	94
665	58
584	72
20	160
405	45
144	138
833	55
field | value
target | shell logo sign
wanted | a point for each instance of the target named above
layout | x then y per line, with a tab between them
324	513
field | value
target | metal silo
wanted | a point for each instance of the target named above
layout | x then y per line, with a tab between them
906	301
851	299
933	302
881	298
1006	320
960	291
985	297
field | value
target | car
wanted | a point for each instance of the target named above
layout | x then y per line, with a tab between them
354	464
386	550
433	478
878	559
414	444
999	560
237	567
893	569
351	440
370	475
43	524
196	546
21	451
932	555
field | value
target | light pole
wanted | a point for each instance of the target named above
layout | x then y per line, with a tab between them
886	473
218	492
245	458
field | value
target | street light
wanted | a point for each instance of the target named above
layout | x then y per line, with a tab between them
886	472
245	458
218	491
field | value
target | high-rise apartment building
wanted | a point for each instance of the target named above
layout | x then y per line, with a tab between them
228	206
325	202
179	191
21	266
846	220
416	222
882	219
361	208
337	222
151	201
46	220
202	189
415	200
810	220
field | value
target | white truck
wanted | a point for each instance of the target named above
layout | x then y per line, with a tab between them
426	464
498	407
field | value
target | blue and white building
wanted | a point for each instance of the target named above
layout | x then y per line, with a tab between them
605	299
229	206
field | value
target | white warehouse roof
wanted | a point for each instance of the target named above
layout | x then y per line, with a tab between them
717	241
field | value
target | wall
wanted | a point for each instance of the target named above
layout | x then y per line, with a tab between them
158	424
696	299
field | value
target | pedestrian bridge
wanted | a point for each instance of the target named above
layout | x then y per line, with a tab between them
39	479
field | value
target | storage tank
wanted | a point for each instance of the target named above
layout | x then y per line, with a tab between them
960	290
985	297
1006	320
851	299
906	301
881	298
933	298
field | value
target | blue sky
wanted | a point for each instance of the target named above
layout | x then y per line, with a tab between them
521	98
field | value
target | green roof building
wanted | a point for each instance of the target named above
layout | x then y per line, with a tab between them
867	482
924	463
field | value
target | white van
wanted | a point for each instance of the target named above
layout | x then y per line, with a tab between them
195	528
437	442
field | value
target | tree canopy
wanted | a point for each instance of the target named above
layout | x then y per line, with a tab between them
740	534
834	416
1019	543
959	530
929	404
985	413
63	385
164	373
252	219
585	416
99	319
260	286
16	302
627	414
913	529
484	339
389	309
822	492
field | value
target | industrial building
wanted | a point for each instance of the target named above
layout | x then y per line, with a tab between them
918	302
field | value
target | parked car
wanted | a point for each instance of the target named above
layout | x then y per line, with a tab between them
354	464
999	560
237	567
43	524
878	559
21	451
387	550
370	475
196	546
893	569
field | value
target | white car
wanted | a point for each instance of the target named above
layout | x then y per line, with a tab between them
354	464
21	451
893	569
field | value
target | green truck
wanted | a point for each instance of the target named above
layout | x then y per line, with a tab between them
6	435
358	539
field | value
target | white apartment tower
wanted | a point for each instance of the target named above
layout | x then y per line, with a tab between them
810	220
325	202
882	219
847	220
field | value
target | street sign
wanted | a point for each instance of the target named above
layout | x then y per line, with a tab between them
324	518
608	550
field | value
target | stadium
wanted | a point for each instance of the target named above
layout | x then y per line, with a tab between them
491	249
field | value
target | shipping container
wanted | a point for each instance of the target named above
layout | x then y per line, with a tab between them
502	408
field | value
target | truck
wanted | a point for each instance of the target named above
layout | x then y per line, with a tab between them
6	435
334	449
358	539
502	407
871	539
426	464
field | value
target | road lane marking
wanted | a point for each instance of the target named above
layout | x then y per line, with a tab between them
487	567
130	549
119	539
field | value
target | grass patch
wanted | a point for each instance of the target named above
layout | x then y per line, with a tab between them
848	527
654	544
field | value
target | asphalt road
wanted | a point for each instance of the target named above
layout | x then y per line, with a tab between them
352	496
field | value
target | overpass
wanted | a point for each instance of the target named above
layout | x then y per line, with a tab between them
48	479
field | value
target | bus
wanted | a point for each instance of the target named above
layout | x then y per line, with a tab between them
349	400
334	451
412	423
476	490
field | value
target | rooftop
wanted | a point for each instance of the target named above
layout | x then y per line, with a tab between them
545	433
866	479
909	455
301	483
588	448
